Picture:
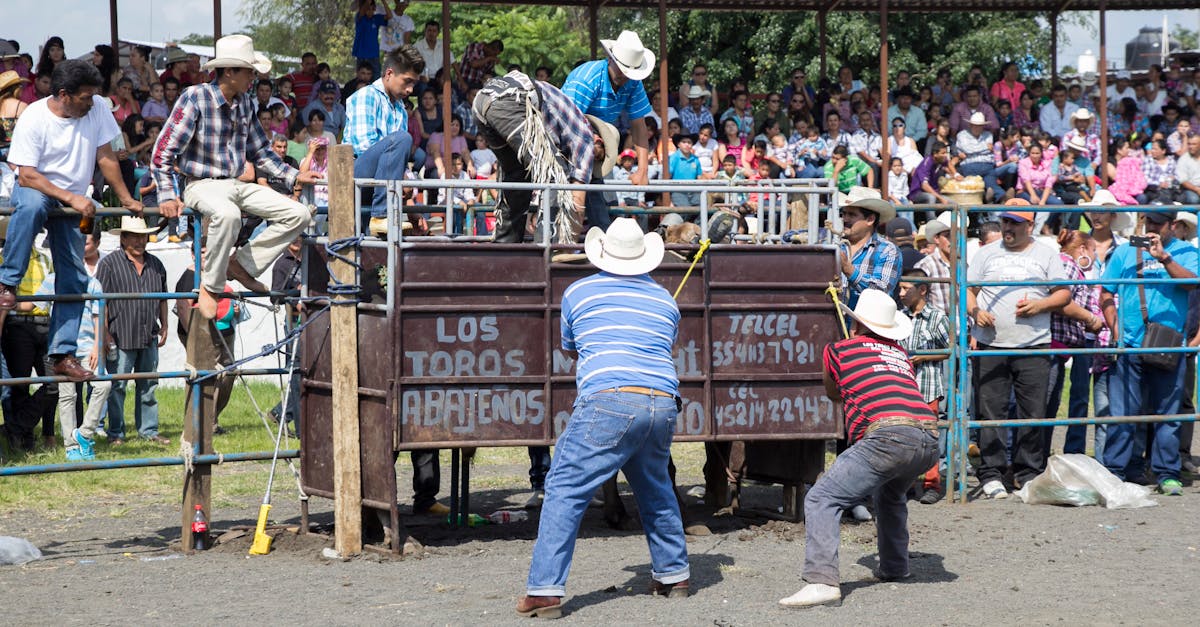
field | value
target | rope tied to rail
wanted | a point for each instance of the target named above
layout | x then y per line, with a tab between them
832	291
267	349
704	244
335	287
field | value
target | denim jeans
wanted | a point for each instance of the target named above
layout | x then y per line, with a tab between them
66	249
609	432
1077	403
386	160
1100	400
883	465
1136	389
145	408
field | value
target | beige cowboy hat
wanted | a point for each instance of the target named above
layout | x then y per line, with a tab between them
623	249
612	141
175	55
868	198
1077	144
9	79
978	119
631	57
1081	114
1121	221
696	91
877	311
133	224
238	51
1188	218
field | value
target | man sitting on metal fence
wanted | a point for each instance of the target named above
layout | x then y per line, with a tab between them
1151	316
1009	317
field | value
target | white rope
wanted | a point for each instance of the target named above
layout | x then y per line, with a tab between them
185	451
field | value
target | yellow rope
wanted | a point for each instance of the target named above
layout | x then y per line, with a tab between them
699	253
837	306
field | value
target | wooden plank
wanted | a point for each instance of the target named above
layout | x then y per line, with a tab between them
347	471
198	426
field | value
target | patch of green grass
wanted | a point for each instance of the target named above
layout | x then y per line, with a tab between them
53	494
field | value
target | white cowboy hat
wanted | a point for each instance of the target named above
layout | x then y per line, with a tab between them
1081	114
696	91
238	51
1077	144
978	119
1103	198
877	311
133	224
868	198
1190	219
612	141
623	249
631	57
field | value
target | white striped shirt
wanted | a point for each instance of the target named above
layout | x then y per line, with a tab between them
624	329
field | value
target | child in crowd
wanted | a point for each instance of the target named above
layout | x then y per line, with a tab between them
279	120
283	91
810	153
778	154
1071	182
156	107
484	161
897	187
729	174
621	174
317	162
460	198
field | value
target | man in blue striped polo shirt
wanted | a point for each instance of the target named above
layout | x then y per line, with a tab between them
610	86
623	326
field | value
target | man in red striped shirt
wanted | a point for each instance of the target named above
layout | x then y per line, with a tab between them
893	439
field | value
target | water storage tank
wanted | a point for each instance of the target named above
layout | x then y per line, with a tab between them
1146	49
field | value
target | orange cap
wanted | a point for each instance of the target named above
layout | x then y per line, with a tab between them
1016	202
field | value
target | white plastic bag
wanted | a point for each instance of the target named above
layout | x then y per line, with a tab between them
17	551
1080	480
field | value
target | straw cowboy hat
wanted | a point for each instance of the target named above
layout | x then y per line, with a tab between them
877	311
238	51
1188	218
696	91
133	224
1120	220
623	249
1076	143
868	198
612	145
9	79
631	57
1081	114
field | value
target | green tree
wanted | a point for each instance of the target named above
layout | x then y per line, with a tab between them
1188	39
197	39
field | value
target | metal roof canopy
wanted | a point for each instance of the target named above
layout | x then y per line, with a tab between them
906	6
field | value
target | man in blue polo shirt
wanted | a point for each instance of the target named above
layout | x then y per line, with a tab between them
1138	387
611	86
623	326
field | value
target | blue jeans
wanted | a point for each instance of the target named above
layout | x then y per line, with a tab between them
610	432
1190	197
386	160
145	409
883	465
1100	400
1077	400
66	248
1136	389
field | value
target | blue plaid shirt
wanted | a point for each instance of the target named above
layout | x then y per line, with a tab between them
876	266
207	136
588	85
372	115
565	121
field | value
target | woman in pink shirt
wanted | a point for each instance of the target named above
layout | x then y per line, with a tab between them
1035	183
1008	87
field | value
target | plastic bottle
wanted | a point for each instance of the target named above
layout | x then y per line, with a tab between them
505	516
199	530
470	520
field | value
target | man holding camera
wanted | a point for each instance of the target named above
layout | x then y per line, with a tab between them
1152	315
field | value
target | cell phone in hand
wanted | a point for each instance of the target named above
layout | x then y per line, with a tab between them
1140	241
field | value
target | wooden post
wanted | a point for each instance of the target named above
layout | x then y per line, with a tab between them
112	26
663	92
1103	112
216	20
347	471
447	112
200	410
823	39
594	27
1053	49
884	123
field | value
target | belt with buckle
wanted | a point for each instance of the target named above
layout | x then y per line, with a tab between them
633	389
927	425
29	317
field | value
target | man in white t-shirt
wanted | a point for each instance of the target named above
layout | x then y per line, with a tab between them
430	47
1120	91
398	31
56	145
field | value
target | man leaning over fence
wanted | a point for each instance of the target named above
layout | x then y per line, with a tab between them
1009	317
1151	316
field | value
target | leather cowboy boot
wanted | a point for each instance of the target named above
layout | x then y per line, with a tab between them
510	226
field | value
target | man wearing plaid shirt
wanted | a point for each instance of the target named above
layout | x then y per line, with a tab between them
931	331
208	137
1069	328
479	60
868	260
937	265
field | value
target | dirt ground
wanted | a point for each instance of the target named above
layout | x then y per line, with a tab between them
984	563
